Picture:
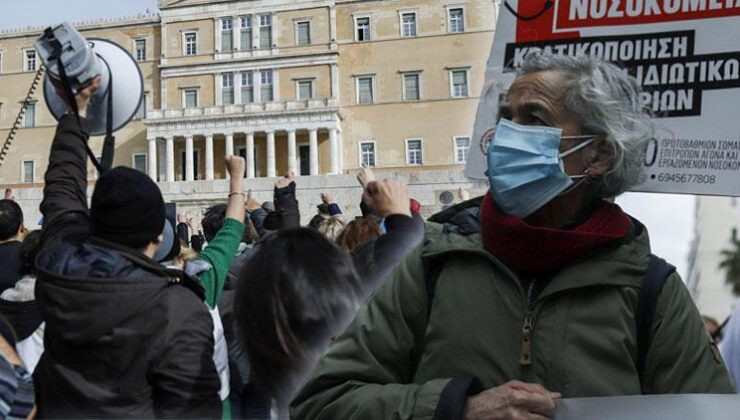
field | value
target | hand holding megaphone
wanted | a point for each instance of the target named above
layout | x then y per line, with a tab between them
83	96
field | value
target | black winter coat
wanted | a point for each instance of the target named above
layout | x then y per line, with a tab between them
124	336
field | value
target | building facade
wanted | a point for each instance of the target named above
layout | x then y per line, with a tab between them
717	220
317	87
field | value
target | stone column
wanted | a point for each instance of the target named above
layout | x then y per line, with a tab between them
292	153
229	144
270	154
250	155
170	158
189	168
209	157
333	151
153	158
313	144
340	152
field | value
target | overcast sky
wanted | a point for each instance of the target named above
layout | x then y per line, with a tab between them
669	218
21	13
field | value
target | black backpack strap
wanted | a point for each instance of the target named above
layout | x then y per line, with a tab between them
657	273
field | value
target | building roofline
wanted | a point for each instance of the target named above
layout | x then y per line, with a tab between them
86	25
175	4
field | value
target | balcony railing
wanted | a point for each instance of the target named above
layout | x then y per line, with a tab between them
253	108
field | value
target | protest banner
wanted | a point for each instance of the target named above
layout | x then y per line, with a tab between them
650	407
684	53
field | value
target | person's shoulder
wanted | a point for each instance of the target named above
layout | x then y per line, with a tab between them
183	305
438	239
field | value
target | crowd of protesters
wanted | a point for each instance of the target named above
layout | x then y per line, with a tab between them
494	308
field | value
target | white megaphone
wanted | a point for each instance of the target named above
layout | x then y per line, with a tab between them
82	60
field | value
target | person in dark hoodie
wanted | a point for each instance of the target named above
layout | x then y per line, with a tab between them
125	336
18	305
12	232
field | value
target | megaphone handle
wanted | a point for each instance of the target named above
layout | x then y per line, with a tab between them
109	144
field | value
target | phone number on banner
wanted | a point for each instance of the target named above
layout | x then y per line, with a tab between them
686	178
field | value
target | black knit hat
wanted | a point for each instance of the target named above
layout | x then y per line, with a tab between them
127	208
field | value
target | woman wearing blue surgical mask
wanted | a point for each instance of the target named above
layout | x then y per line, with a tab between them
541	289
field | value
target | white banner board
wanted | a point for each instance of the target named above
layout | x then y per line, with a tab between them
651	407
684	53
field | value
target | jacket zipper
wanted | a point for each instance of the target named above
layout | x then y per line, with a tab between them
525	356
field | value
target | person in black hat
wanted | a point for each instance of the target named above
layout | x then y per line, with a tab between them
125	336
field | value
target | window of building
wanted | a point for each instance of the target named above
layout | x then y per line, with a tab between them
411	87
462	145
227	34
265	32
190	43
303	32
408	24
367	154
246	33
266	91
29	117
28	171
247	88
365	90
138	162
362	28
227	88
141	111
456	19
459	83
30	63
190	97
1	62
414	152
305	89
140	49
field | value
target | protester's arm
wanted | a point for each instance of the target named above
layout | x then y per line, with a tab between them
64	206
366	373
364	177
285	202
257	217
682	358
404	231
403	234
196	242
221	250
182	229
184	380
334	209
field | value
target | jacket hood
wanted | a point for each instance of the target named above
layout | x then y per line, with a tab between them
84	292
462	218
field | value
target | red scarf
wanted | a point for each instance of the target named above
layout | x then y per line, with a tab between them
533	250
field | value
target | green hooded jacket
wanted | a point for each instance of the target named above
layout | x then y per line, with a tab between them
396	362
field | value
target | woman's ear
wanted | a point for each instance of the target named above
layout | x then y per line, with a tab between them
600	157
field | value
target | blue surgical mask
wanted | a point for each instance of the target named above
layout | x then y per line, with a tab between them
525	166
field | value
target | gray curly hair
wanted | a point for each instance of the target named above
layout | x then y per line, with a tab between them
606	100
